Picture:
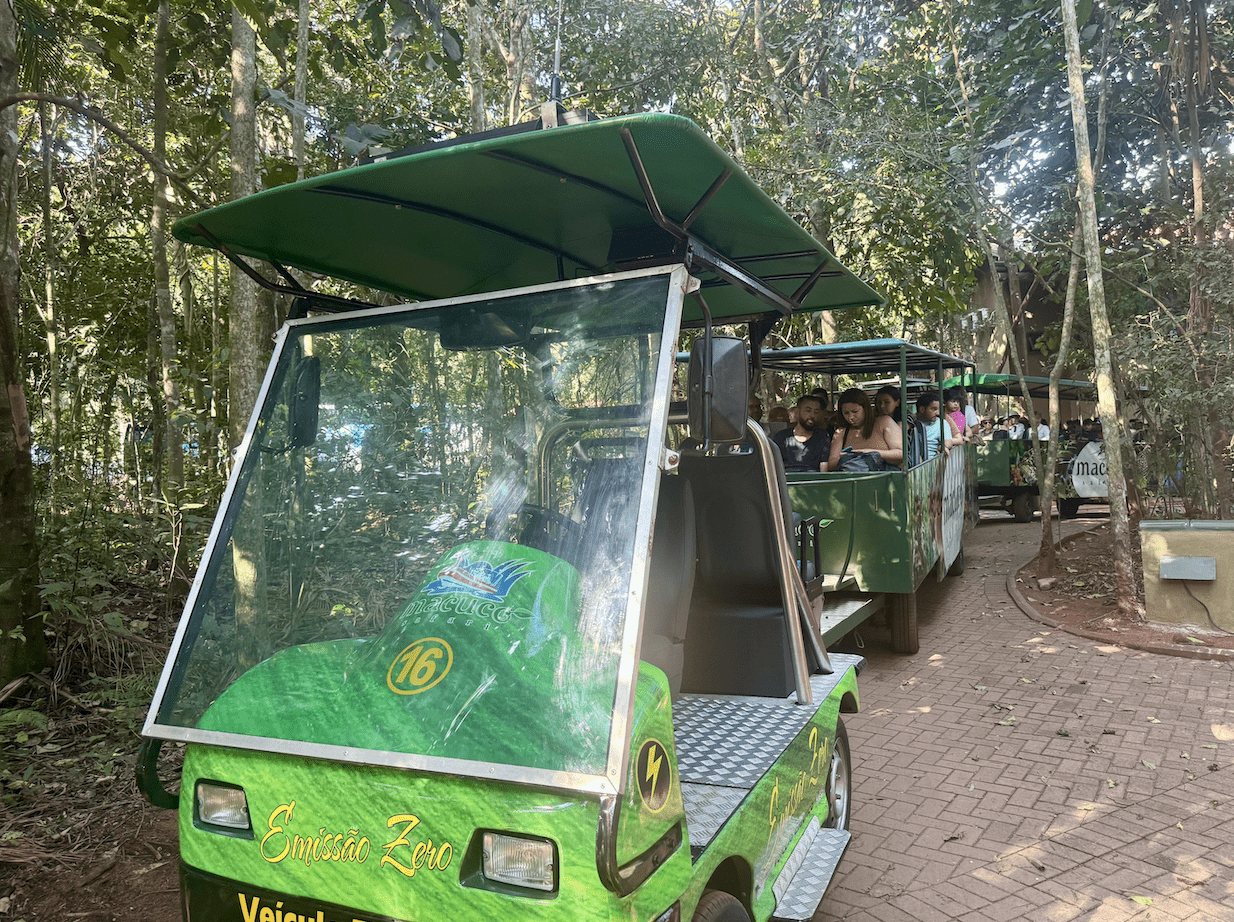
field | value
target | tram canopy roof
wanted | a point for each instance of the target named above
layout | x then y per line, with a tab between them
1009	385
531	205
871	356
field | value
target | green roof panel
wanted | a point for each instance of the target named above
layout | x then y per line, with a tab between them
528	208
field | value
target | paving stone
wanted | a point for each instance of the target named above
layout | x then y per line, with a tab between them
960	818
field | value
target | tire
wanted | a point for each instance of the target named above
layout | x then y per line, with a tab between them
1023	505
902	616
840	782
718	906
957	565
1068	508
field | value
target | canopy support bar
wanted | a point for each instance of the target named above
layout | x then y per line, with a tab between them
809	283
697	254
707	196
295	290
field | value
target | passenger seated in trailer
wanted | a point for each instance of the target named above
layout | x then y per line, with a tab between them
777	419
864	433
937	429
805	445
887	402
955	407
756	410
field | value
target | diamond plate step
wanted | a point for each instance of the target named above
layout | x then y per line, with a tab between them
842	612
798	899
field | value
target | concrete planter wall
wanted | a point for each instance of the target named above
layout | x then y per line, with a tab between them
1189	566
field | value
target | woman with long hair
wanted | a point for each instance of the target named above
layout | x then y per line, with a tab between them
864	432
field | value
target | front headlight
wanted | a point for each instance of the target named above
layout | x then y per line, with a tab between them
519	861
224	807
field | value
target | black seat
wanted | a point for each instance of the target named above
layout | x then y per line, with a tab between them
671	579
737	641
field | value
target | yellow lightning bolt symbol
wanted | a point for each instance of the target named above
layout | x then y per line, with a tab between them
653	766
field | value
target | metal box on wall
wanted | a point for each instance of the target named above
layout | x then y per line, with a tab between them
1189	572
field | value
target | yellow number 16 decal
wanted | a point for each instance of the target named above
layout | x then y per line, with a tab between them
420	666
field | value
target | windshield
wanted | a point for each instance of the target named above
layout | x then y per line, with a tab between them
428	546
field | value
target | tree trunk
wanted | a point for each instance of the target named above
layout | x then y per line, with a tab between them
1046	558
1106	401
22	645
475	64
768	69
247	351
50	323
300	91
168	346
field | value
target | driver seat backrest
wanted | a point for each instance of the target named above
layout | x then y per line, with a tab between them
738	641
607	500
670	581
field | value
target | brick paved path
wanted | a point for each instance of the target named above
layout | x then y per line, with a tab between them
1009	772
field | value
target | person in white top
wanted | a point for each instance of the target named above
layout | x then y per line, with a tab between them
1043	430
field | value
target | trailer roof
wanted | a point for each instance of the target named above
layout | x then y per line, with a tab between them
864	357
528	206
1010	385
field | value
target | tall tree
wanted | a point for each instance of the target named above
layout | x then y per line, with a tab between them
22	645
168	347
1106	399
248	337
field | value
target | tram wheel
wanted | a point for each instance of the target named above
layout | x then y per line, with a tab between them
957	565
718	906
1023	506
902	616
1068	508
840	781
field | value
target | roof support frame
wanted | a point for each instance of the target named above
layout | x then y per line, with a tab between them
324	302
699	255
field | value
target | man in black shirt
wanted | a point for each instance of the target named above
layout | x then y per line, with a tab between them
806	445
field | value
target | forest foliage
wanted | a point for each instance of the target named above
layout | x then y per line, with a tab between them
900	132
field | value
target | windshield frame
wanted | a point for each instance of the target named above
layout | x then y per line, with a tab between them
615	770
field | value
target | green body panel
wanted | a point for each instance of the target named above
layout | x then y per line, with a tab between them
303	808
761	834
404	844
645	818
454	674
897	522
1007	465
994	463
870	510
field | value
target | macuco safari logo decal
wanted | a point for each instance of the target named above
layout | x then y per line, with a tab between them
654	775
419	666
480	579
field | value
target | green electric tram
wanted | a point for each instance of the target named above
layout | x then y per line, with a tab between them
1006	474
471	637
869	539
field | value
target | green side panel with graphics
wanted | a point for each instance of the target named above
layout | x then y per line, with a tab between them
760	836
652	801
871	511
899	524
397	844
994	462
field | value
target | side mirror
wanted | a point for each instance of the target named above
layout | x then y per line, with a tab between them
719	390
305	402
